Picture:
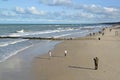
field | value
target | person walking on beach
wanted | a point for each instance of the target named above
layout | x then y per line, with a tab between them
65	53
99	38
50	54
102	33
96	62
110	30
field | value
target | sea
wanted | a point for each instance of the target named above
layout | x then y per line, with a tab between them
10	47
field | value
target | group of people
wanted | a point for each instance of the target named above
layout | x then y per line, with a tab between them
66	52
96	60
50	53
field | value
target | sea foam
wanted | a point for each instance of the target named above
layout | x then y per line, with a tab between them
3	44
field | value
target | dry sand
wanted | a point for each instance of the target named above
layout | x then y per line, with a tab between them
79	64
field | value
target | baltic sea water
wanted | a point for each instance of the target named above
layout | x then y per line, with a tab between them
10	47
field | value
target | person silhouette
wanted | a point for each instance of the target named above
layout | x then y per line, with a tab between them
96	62
50	54
65	53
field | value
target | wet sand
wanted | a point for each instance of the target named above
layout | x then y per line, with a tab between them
79	64
18	67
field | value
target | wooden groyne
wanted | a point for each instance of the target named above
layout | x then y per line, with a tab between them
52	38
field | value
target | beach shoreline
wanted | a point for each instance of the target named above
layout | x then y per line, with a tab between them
58	67
18	66
78	64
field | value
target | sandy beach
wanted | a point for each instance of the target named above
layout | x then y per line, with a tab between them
79	64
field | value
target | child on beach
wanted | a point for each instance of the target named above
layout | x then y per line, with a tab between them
65	53
50	54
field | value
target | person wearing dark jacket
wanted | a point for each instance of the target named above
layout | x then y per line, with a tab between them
96	62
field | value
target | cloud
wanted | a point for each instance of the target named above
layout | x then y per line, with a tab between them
108	9
74	13
96	9
20	10
30	10
56	2
34	11
9	14
88	11
6	13
87	15
99	12
20	14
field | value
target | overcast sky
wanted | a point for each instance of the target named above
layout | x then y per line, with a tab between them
59	11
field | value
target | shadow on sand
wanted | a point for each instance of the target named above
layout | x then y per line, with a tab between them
50	57
42	57
59	56
77	67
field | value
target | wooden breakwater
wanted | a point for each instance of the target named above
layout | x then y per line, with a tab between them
52	38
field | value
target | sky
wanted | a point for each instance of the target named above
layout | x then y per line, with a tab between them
59	11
